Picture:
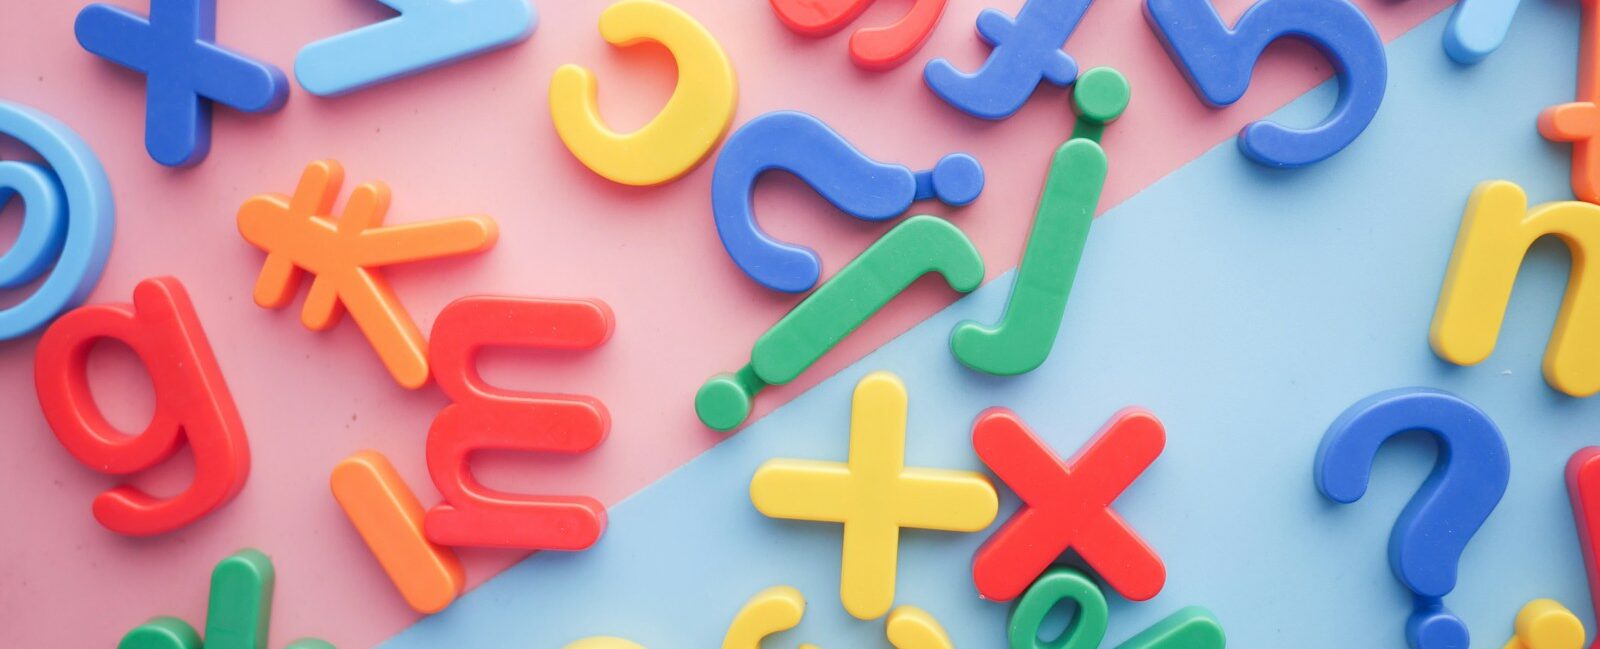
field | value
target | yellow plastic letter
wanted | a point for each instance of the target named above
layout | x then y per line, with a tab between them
686	128
874	495
1546	624
1495	235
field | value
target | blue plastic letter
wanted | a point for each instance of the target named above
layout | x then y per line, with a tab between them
426	34
1477	28
1218	63
1026	51
800	144
184	71
68	222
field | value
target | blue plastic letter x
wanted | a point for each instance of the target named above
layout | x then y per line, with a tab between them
185	70
1026	51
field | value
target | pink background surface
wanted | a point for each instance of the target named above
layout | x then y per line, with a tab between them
476	138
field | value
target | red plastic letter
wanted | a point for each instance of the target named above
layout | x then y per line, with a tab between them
192	404
872	48
1583	487
485	417
1067	504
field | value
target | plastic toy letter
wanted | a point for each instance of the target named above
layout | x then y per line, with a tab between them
185	70
1067	505
298	234
68	224
780	608
1219	63
193	406
482	417
1022	340
871	48
1495	234
802	145
1191	627
874	495
1546	624
389	519
1478	28
1578	122
1583	489
238	612
1027	50
681	135
922	244
426	34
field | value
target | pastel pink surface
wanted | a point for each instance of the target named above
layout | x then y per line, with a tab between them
476	138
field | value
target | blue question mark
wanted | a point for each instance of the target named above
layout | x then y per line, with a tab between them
1465	486
804	146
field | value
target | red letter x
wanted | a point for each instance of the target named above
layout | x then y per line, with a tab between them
1067	504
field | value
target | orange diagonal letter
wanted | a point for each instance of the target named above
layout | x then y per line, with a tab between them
298	234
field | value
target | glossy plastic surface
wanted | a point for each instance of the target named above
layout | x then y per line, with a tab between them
922	244
1465	486
426	35
688	126
484	417
192	407
874	495
1027	51
299	234
185	70
864	188
1067	504
1496	232
1219	62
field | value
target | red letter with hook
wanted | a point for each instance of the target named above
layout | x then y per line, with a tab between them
192	405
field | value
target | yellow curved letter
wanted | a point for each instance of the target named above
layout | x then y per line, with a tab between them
686	128
1546	624
1495	235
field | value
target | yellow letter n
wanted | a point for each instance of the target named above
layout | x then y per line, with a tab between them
1495	235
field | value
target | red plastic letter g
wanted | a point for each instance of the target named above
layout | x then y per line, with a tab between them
192	406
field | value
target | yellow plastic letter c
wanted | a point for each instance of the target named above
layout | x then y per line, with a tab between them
683	132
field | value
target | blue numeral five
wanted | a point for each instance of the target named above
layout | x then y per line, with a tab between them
1219	62
1026	50
184	71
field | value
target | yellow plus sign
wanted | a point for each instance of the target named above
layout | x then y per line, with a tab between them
874	495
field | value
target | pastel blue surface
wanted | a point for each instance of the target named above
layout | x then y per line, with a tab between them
1027	50
1450	507
1477	28
185	70
1219	62
802	145
426	34
1245	306
68	221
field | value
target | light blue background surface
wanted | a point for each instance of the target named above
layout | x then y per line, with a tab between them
1246	307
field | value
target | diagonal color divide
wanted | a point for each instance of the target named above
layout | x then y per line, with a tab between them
426	34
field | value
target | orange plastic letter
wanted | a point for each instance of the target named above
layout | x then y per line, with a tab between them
298	233
389	518
485	417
